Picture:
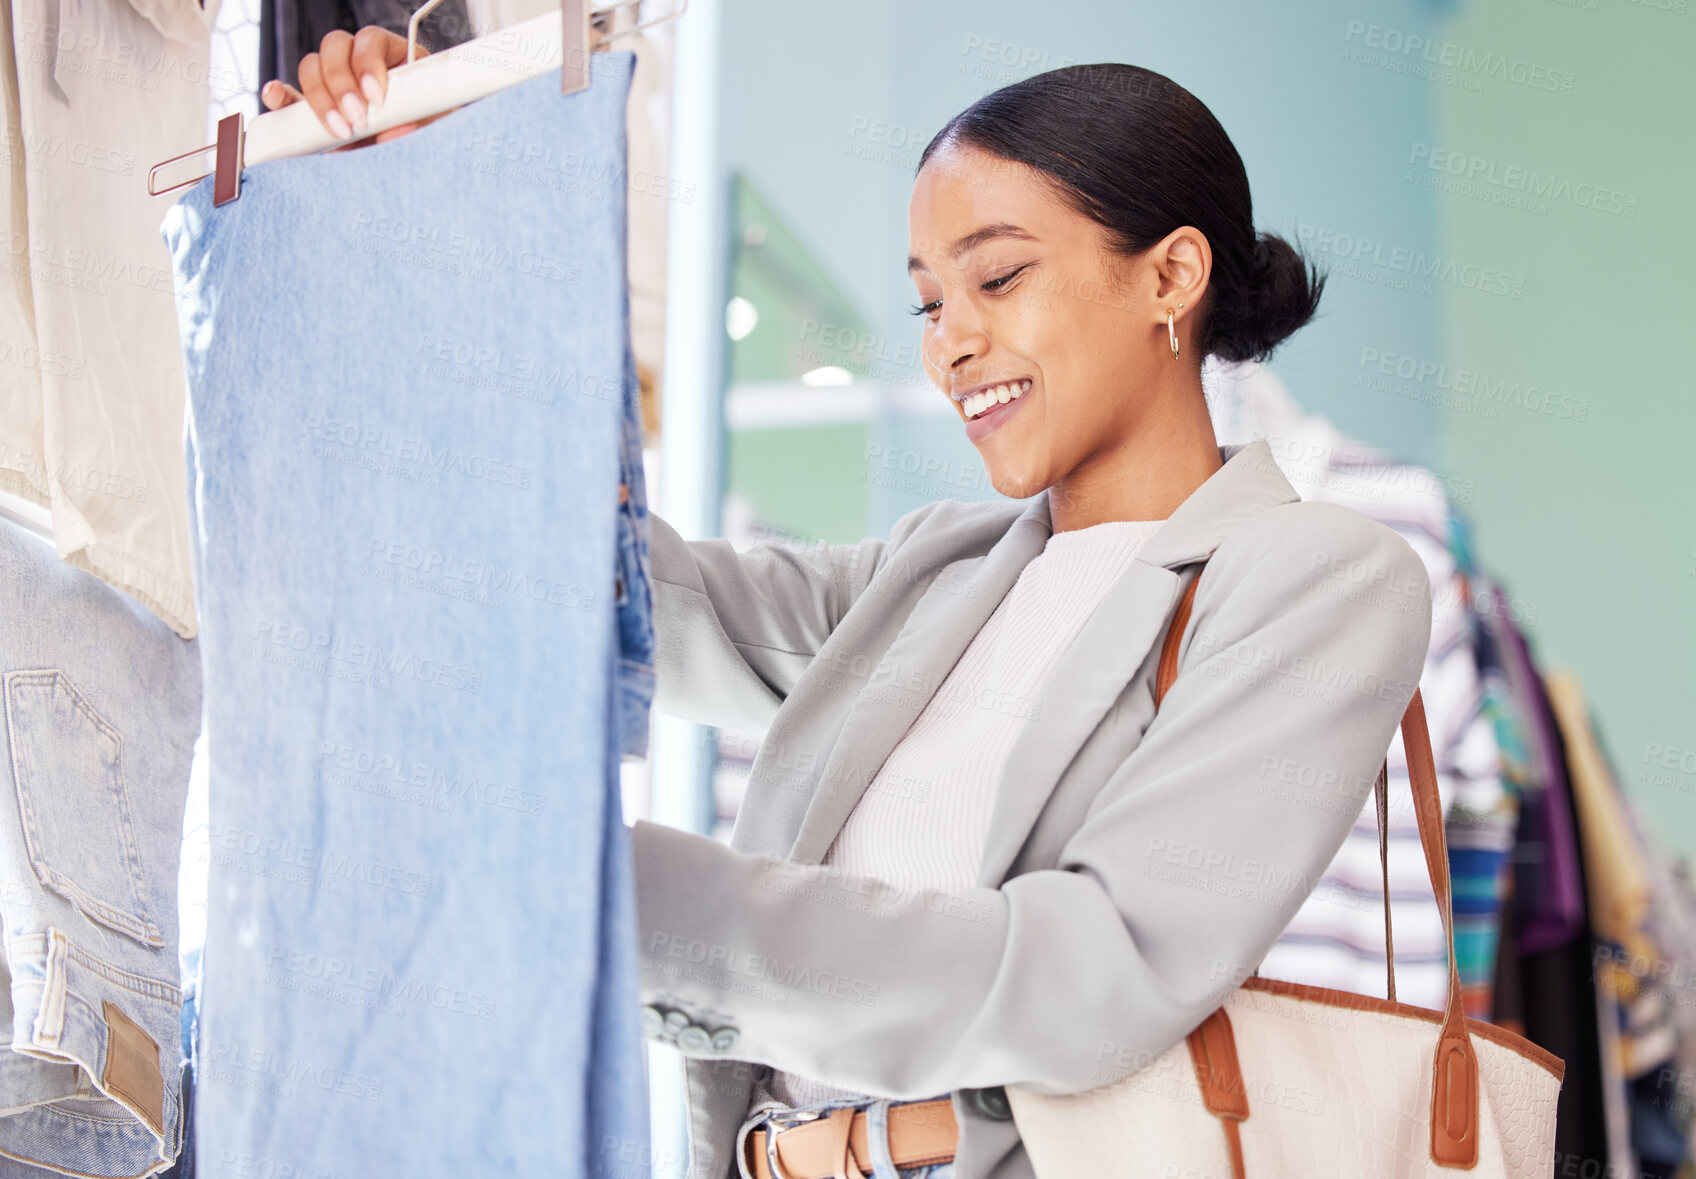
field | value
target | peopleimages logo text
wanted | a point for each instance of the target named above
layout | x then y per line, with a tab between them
1415	264
1461	58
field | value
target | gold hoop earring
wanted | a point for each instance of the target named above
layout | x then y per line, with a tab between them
1172	333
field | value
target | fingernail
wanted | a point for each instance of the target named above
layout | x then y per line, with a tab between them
354	108
369	85
338	126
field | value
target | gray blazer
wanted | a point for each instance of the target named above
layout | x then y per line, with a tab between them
1134	873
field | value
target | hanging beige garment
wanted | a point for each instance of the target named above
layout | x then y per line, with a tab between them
91	382
1616	880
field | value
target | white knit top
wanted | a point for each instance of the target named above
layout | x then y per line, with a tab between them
923	819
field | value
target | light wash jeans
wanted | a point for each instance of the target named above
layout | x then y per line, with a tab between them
102	706
410	389
877	1138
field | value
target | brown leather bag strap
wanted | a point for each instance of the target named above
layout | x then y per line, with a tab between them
1454	1089
1381	794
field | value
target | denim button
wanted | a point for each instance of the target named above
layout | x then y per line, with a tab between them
991	1103
653	1023
675	1021
694	1038
724	1039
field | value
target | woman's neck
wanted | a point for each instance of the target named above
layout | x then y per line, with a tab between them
1146	475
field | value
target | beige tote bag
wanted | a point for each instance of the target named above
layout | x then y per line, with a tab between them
1291	1080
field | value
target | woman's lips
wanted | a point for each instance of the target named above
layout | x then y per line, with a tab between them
992	419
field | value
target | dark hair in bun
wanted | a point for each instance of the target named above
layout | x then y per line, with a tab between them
1140	155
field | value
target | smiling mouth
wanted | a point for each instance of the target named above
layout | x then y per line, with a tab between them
977	404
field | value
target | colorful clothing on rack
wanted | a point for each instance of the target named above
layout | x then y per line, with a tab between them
1548	890
1618	887
1337	937
1481	847
1618	883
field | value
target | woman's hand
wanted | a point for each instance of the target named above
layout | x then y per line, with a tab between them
349	70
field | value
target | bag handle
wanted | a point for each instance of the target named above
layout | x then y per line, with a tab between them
1454	1090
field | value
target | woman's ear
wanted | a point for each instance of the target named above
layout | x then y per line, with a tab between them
1182	260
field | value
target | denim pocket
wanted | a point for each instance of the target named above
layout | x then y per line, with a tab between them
68	766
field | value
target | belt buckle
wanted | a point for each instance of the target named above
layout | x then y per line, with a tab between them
777	1121
794	1117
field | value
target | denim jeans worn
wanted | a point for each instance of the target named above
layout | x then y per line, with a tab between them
102	706
410	389
877	1138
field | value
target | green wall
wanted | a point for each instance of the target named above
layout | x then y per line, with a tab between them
1593	520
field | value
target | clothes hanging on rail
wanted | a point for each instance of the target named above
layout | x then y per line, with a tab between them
1631	1113
1337	937
650	187
1548	893
1555	998
1658	997
178	20
101	708
1618	882
91	377
1572	927
1617	887
427	644
1482	834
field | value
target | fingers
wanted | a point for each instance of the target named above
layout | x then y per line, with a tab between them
276	95
348	72
335	72
375	49
318	96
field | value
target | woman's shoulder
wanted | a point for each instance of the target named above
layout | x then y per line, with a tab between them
1312	550
1313	533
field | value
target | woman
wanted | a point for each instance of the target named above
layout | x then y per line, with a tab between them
970	854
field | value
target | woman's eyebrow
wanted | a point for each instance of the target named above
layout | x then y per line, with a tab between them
975	239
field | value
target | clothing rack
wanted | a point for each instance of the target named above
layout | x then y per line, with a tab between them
1573	925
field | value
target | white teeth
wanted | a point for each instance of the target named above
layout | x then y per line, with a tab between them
977	403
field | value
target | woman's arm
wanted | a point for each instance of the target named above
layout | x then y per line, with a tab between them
1170	893
733	631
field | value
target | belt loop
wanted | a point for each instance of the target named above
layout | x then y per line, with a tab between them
842	1145
877	1140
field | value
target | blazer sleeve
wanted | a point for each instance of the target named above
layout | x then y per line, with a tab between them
733	630
1169	894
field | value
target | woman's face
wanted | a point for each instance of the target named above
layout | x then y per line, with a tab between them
1022	297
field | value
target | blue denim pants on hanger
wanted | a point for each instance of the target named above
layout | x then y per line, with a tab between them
424	622
101	704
